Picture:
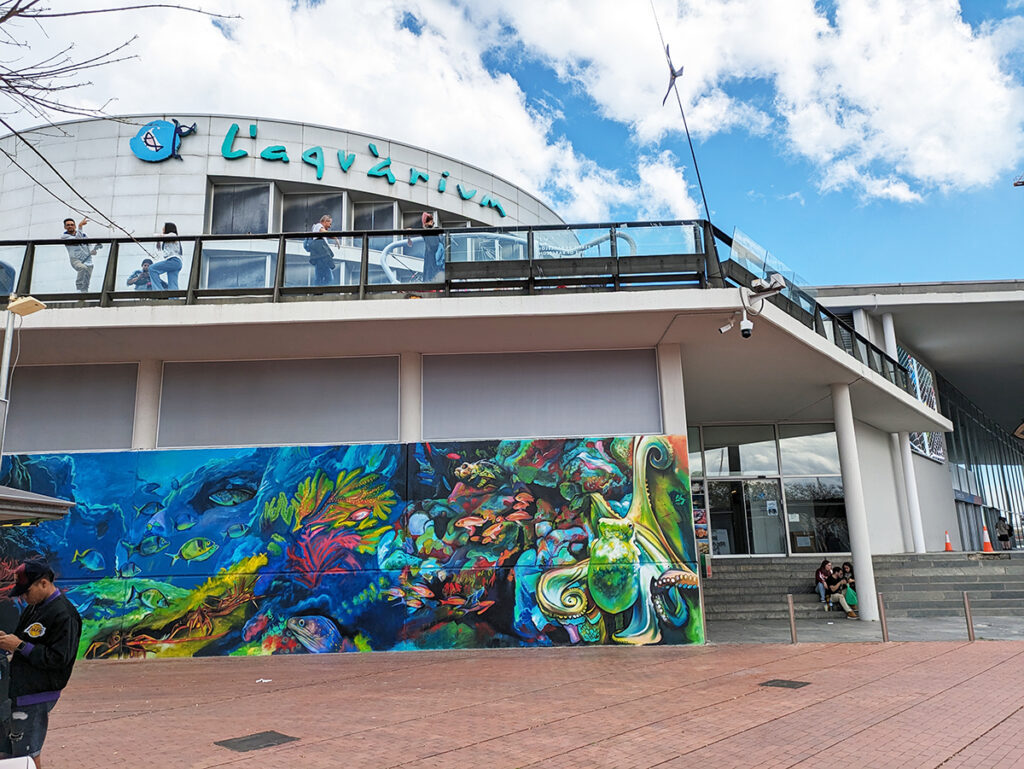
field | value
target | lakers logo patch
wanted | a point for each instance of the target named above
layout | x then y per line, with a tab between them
35	630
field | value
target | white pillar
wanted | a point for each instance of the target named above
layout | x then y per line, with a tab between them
670	381
906	456
856	510
147	404
410	398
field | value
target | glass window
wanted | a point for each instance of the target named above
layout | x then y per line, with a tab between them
240	209
817	515
809	449
740	450
301	212
693	444
373	216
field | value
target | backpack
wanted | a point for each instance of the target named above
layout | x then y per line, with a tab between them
308	245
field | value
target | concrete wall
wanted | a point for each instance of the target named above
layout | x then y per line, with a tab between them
938	510
881	493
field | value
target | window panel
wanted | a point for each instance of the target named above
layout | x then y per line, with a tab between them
740	450
809	449
240	209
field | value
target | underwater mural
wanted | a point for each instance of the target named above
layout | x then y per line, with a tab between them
313	549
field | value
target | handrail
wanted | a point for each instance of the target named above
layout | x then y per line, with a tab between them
684	257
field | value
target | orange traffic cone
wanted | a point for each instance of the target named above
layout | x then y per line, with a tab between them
949	545
986	543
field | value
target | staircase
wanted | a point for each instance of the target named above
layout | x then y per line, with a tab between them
928	585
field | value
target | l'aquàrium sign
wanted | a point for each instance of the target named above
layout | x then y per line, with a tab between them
161	139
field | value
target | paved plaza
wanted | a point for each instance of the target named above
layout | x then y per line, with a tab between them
867	704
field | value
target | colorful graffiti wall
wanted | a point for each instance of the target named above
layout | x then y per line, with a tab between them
353	548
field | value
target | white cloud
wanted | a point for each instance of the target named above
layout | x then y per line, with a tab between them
902	85
894	99
353	65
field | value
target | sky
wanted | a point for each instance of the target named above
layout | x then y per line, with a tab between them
859	141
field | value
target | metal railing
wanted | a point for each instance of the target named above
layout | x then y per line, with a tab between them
280	267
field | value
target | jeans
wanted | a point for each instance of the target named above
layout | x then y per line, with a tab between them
820	587
169	267
84	275
28	729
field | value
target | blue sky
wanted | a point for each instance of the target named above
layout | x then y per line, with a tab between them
860	141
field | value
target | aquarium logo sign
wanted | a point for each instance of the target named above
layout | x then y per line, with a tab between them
159	140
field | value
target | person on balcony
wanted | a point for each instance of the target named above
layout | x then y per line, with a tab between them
1003	532
433	252
141	279
170	265
320	255
79	254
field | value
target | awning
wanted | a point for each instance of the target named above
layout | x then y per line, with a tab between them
17	506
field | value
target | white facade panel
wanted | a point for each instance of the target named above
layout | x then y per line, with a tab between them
881	495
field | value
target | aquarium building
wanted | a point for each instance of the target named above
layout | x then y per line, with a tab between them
503	430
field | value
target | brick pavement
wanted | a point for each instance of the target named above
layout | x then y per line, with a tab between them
952	704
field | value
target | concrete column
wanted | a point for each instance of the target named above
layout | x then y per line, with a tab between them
906	457
147	404
410	397
670	381
856	510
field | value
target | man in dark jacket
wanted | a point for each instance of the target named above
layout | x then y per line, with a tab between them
45	644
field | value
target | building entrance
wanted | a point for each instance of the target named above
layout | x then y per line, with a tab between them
746	517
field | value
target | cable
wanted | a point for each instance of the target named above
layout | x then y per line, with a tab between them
17	354
673	76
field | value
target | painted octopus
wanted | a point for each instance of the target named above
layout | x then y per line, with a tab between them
637	563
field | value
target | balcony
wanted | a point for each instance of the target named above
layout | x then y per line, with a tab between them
540	260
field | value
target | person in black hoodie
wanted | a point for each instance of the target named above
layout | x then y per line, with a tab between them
44	646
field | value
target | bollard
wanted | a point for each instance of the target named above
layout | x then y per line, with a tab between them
967	616
792	618
881	618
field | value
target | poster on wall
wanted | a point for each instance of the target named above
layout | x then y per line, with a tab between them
369	547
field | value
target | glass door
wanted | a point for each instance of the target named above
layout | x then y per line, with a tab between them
745	517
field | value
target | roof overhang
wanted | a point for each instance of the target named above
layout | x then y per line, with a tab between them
782	372
17	506
968	332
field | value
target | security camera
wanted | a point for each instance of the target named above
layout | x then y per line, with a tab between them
728	326
746	327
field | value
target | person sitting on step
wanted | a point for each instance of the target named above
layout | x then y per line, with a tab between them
821	579
836	592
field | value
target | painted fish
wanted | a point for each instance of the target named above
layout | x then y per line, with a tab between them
129	570
518	515
360	515
196	549
151	598
149	545
231	497
470	521
185	521
235	530
90	560
422	590
150	508
255	627
150	140
150	488
318	634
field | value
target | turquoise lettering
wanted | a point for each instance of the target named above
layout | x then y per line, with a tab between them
373	149
346	160
490	202
252	130
276	152
383	168
229	140
463	194
418	176
442	183
315	157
